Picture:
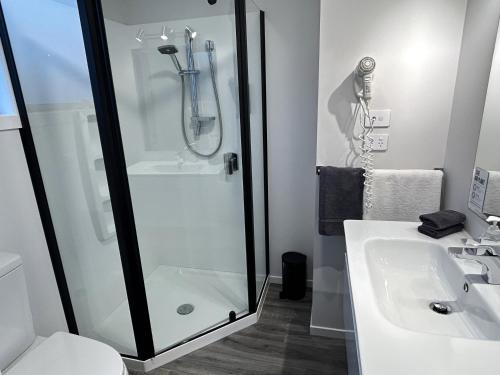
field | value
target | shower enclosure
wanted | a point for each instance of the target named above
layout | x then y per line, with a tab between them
144	130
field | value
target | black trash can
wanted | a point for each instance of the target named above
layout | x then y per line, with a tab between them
294	266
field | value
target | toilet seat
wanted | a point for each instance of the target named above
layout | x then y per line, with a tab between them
64	354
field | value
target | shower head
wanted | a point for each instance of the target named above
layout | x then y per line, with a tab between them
171	50
190	33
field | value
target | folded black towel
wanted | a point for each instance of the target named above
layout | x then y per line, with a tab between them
434	233
340	198
443	219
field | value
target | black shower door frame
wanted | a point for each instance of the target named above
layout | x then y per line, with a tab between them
94	34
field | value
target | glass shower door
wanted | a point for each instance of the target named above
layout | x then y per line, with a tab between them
174	66
49	54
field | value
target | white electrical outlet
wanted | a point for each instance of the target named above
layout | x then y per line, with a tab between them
380	142
381	117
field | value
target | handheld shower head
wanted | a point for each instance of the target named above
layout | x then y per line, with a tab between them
190	33
171	50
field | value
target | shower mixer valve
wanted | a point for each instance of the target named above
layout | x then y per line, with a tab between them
197	122
231	163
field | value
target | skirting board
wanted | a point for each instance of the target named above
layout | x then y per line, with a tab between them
200	342
279	280
333	333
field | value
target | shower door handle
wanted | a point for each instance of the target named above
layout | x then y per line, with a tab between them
231	163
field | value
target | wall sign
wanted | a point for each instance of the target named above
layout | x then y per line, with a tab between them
478	189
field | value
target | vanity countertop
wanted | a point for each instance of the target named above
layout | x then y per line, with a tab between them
387	346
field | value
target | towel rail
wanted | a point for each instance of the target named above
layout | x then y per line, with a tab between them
318	169
318	172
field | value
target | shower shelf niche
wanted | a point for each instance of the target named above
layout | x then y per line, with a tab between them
93	175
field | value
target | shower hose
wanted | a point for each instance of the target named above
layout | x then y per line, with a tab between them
189	145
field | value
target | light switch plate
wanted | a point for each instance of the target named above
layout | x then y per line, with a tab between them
382	117
380	142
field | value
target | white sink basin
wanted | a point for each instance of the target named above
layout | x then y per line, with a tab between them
408	275
394	274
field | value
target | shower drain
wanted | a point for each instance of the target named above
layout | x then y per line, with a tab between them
185	309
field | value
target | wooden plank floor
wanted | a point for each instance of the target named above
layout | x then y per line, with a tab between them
278	344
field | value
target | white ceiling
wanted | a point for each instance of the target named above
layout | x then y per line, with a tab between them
135	12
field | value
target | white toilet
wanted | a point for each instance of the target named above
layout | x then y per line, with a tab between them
22	353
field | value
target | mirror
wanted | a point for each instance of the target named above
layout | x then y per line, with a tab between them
484	197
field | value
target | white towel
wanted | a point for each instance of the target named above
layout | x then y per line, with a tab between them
404	195
492	198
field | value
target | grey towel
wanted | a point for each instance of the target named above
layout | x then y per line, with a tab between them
442	220
437	234
340	198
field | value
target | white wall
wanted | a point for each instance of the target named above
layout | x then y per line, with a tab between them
21	232
480	34
7	101
416	45
148	87
292	44
486	157
46	48
9	117
121	39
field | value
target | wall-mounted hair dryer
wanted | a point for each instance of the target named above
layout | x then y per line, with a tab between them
363	89
364	79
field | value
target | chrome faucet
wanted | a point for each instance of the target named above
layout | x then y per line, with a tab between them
487	256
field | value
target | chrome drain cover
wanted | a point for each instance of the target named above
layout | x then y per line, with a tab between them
185	309
440	308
